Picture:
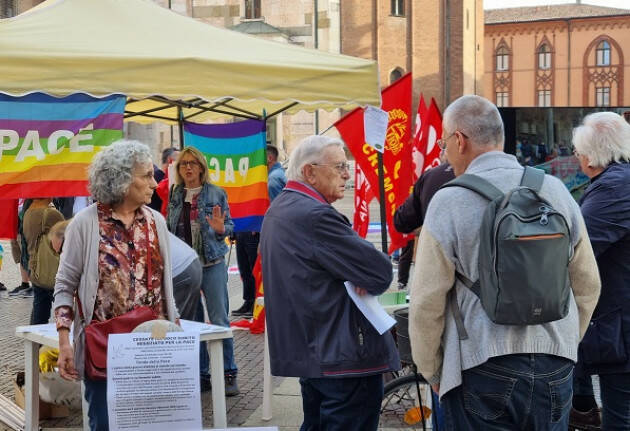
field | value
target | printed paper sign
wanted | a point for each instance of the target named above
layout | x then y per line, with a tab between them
375	124
153	384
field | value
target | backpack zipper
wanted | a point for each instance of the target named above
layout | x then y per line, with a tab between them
546	214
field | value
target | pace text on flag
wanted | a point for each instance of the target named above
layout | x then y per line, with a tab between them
47	143
237	162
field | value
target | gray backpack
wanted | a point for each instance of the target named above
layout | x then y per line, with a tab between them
524	253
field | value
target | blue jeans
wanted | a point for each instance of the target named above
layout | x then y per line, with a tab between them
214	288
96	396
615	390
42	303
246	253
512	392
345	404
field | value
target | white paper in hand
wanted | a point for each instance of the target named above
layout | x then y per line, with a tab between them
375	122
371	309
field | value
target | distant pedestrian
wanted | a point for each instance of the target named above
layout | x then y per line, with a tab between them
493	375
20	255
43	262
602	146
315	330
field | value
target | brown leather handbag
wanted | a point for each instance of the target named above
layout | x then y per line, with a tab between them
97	333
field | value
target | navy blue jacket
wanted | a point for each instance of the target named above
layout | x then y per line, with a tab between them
606	209
308	250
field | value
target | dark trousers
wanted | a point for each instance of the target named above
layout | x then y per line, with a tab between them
42	304
246	253
344	404
615	390
514	392
96	396
404	262
615	394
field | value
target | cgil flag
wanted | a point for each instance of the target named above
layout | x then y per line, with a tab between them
397	162
237	162
431	132
417	155
363	195
47	143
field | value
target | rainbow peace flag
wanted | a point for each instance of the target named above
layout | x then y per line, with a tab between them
237	162
46	143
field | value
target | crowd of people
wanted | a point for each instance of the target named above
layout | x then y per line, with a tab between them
134	248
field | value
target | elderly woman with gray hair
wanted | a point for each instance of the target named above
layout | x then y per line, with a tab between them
602	146
115	259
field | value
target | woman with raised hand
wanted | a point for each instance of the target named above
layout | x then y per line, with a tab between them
198	213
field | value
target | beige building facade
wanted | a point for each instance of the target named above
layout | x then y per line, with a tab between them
557	56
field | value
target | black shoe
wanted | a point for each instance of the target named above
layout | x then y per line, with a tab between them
26	293
2	287
18	290
246	310
231	387
204	384
586	421
402	286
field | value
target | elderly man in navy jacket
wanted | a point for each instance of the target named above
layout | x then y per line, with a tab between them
315	330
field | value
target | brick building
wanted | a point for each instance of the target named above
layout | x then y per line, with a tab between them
563	55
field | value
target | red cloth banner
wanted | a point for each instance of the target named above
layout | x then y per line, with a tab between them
397	162
8	218
256	324
432	131
416	149
363	195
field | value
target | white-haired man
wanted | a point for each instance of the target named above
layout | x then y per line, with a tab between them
315	330
498	376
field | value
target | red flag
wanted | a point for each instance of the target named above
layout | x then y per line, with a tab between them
8	218
363	195
256	325
397	154
416	150
432	131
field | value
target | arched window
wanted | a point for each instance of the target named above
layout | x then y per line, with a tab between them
503	59
395	75
544	57
602	54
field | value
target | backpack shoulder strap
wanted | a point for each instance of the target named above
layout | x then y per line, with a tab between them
532	178
477	185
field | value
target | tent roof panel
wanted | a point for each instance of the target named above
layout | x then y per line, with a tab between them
140	49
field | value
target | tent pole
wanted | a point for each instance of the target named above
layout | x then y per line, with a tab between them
180	121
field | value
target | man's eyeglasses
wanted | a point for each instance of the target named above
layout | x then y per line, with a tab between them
442	142
339	167
188	163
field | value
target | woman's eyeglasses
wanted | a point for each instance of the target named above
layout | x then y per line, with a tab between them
188	163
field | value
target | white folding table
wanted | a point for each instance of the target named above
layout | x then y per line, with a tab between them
36	336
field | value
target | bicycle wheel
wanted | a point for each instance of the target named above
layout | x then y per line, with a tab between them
399	409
